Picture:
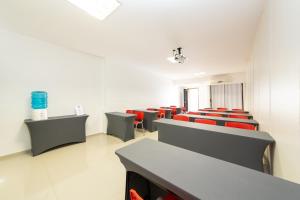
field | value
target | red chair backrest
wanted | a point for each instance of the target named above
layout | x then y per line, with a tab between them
151	109
214	115
134	195
130	111
222	108
237	109
183	109
139	116
161	111
206	121
210	110
238	116
240	125
174	110
193	113
181	118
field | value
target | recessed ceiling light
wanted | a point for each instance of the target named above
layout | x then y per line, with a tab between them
97	8
2	180
199	74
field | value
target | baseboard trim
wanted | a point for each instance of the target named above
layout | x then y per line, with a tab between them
29	150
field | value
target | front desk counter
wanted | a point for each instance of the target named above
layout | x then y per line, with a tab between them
221	120
120	125
239	146
149	117
155	167
225	114
55	131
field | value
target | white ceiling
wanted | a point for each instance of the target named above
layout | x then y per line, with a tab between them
216	34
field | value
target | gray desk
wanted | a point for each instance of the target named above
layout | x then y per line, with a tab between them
239	146
225	114
178	110
241	112
168	112
55	131
194	176
221	120
120	125
149	117
229	111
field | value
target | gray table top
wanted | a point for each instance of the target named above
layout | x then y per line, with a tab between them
249	121
196	176
223	113
55	118
120	114
164	109
221	129
144	110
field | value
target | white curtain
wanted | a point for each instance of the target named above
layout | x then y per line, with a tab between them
233	96
193	100
204	96
228	96
218	96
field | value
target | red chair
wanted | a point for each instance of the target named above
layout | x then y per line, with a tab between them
183	109
181	118
237	109
161	113
151	109
134	195
193	113
240	125
238	116
174	110
214	115
130	111
139	119
206	121
222	109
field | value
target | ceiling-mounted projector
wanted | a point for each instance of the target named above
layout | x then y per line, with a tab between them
177	57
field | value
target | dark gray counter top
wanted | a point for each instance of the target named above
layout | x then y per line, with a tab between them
224	119
195	176
220	129
147	111
224	113
239	146
55	118
120	114
56	131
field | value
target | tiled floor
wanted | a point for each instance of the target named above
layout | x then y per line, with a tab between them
86	171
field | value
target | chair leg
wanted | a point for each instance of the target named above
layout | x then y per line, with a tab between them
143	127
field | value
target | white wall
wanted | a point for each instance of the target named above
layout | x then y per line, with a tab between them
70	78
274	82
136	88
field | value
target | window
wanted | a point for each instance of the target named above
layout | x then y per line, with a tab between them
228	96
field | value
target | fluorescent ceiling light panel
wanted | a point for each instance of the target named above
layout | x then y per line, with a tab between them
97	8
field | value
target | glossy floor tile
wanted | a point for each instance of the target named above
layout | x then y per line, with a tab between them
88	171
